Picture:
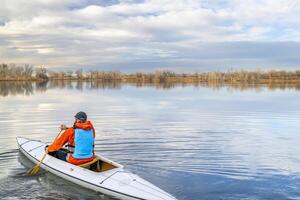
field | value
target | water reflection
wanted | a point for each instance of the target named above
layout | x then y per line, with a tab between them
28	88
15	88
213	142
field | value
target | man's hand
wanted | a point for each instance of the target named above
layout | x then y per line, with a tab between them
63	127
46	148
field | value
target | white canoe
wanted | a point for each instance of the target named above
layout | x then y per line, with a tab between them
113	181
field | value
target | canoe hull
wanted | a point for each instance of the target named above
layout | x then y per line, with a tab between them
79	181
117	182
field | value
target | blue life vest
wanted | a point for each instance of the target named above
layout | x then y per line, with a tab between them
84	142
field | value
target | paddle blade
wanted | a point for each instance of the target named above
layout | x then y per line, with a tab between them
33	171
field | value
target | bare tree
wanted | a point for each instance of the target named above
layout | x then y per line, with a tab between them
79	74
41	73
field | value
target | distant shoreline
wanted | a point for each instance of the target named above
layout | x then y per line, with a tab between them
27	73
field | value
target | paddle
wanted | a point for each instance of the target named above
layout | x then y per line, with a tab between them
35	169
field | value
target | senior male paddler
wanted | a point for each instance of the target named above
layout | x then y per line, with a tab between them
80	138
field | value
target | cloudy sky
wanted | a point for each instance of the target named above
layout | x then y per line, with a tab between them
145	35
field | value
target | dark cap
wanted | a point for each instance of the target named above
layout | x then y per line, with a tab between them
81	116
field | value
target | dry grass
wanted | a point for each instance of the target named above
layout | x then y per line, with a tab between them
26	72
13	72
235	77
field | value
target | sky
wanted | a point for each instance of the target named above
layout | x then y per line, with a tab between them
147	35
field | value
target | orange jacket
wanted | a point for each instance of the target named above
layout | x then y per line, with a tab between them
68	137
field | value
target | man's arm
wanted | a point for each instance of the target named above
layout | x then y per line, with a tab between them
61	140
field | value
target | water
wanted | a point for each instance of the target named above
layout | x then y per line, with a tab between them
195	142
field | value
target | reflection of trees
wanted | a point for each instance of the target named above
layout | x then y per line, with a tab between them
9	88
41	86
81	85
103	85
27	88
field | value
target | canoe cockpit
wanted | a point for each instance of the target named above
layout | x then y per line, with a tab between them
99	164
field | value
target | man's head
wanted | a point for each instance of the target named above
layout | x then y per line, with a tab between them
80	117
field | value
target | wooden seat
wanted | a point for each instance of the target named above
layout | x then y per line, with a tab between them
88	164
98	165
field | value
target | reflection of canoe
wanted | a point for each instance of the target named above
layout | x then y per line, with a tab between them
110	179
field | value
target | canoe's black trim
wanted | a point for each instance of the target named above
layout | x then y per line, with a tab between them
81	179
114	174
24	143
108	177
36	147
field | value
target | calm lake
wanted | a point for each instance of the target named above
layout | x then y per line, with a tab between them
195	142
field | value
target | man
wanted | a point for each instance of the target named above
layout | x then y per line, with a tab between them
80	137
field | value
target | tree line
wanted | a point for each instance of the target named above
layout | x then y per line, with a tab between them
28	73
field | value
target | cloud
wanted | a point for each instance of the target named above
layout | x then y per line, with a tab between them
108	33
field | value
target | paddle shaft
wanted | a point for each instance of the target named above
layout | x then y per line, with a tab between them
37	166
